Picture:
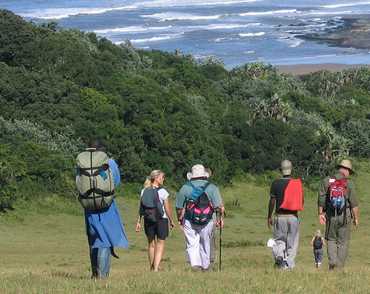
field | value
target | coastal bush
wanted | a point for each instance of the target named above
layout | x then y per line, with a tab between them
61	88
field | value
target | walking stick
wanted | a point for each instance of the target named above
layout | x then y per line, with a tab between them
220	250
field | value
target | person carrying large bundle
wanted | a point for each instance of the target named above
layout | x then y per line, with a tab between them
338	208
286	198
96	180
196	202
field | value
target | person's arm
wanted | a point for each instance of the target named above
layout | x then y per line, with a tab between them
138	223
353	204
271	207
168	209
220	215
312	240
180	212
355	213
321	202
219	208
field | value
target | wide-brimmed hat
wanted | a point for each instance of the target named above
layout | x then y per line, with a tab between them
286	167
347	164
197	171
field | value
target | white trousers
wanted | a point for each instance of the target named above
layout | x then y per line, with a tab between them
198	243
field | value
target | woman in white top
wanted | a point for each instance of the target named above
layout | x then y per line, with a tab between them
156	216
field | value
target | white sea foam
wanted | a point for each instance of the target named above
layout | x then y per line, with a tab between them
323	12
295	43
155	39
250	52
272	12
170	16
64	12
352	4
60	13
179	3
259	34
131	29
224	26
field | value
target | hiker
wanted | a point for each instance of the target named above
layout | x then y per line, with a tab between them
337	206
196	202
286	198
213	237
317	244
97	177
156	210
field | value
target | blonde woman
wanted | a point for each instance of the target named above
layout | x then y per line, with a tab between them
318	243
156	211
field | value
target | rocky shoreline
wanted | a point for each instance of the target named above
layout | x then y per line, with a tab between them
355	33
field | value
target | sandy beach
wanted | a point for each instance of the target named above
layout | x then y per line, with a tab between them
301	69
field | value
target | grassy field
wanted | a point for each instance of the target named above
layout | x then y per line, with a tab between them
45	251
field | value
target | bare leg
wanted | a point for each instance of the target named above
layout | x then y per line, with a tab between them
159	249
151	250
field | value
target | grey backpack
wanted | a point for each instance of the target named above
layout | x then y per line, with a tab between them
94	180
151	207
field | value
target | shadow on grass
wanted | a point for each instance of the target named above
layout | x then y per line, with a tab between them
243	243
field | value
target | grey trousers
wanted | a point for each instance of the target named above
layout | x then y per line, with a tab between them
338	234
286	235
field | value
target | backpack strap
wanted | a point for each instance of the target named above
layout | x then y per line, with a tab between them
189	183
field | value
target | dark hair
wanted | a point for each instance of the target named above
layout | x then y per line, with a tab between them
97	144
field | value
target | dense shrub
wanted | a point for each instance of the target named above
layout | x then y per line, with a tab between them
60	88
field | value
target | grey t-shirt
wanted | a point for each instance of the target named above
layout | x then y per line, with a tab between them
212	191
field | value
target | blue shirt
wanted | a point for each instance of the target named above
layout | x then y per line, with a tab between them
115	172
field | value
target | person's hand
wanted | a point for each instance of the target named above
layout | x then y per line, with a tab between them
220	223
322	219
269	222
172	224
138	227
355	222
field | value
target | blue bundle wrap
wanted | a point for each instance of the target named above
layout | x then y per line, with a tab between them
105	228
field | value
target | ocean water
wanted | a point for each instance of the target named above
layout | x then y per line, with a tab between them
234	31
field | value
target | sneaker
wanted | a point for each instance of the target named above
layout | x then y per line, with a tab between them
279	262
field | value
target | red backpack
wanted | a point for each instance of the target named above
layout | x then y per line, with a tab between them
337	193
293	196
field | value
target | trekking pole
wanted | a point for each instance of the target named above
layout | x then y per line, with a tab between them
220	250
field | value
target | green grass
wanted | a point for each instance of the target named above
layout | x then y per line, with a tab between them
45	251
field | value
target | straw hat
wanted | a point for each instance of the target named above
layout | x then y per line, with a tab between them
347	164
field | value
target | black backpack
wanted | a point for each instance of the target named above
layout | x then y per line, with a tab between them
151	207
317	243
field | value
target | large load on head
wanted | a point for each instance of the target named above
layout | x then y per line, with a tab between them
94	180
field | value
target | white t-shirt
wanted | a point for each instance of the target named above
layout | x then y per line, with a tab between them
163	195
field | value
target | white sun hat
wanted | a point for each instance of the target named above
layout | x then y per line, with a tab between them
197	171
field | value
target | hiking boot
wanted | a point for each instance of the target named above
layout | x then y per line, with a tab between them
279	262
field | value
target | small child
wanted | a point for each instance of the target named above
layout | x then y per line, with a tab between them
318	243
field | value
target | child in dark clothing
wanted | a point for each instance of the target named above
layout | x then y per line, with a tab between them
318	243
